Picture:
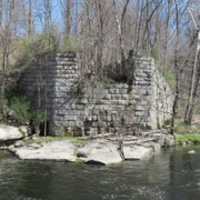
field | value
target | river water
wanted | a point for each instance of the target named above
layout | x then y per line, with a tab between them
172	175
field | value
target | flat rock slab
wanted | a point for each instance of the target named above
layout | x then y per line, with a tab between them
99	152
133	152
10	133
58	150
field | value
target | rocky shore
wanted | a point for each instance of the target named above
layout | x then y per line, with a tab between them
105	150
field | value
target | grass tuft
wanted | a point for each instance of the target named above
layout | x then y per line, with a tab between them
186	133
188	138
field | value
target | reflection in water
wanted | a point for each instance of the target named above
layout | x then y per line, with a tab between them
183	175
172	175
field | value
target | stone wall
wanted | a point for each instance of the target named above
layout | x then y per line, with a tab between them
81	108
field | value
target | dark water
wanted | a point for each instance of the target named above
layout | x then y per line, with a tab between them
173	175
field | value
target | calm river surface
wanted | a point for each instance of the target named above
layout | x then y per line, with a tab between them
173	175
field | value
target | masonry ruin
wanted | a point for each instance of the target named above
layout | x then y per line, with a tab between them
84	109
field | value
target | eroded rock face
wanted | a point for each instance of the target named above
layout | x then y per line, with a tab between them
166	140
58	150
155	146
134	152
8	133
99	152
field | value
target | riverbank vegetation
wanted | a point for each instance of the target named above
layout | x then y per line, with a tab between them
105	33
190	138
187	134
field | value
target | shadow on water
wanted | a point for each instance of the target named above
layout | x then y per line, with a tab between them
172	175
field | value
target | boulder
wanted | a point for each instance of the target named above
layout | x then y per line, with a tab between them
136	152
155	146
8	133
102	152
58	150
18	144
24	130
191	152
165	140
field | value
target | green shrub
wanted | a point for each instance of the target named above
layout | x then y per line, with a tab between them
182	128
170	78
31	48
38	117
22	109
155	53
193	138
23	112
44	43
70	44
186	133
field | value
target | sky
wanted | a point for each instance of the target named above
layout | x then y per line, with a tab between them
58	13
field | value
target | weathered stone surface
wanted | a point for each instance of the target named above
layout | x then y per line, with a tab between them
99	152
155	146
166	140
10	133
104	150
24	130
96	109
58	150
19	143
135	152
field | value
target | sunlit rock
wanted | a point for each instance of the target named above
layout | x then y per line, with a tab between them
191	152
58	150
134	152
8	133
154	145
99	152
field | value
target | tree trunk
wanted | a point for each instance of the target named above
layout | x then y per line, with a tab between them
100	26
194	85
2	95
47	15
30	20
177	71
121	28
68	17
169	5
1	12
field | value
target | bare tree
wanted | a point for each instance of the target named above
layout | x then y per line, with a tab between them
30	18
1	12
176	66
169	8
68	17
121	27
47	15
195	76
5	41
